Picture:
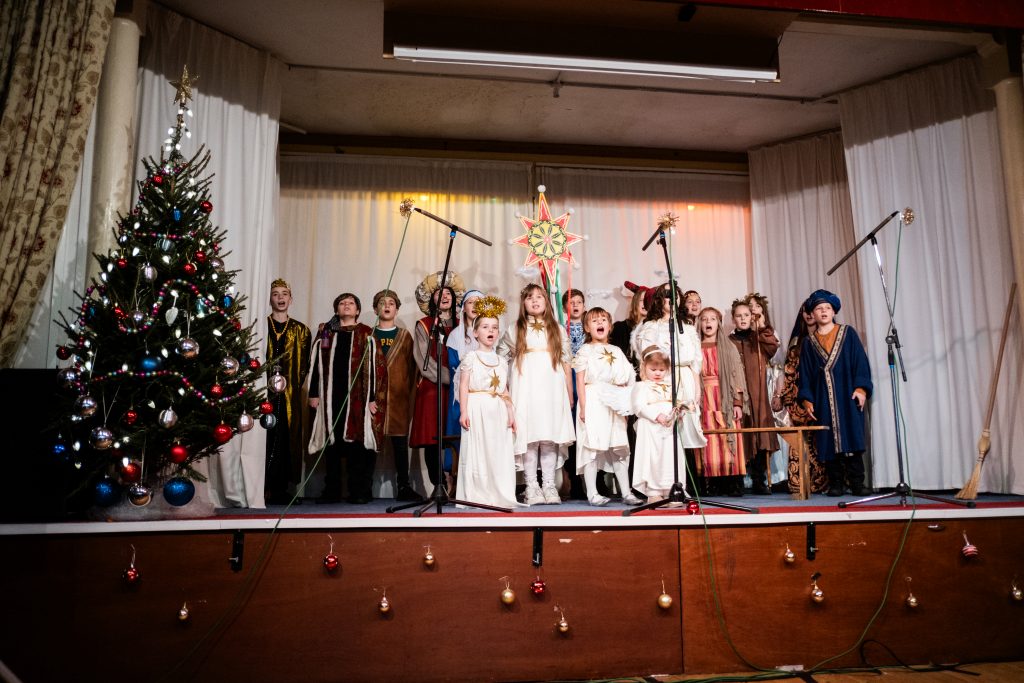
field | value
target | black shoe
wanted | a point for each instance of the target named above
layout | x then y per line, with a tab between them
860	490
358	500
406	494
328	500
835	491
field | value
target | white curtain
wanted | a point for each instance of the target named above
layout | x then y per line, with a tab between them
802	225
929	140
236	106
341	230
618	210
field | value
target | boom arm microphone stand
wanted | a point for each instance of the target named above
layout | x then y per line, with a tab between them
439	498
677	496
892	342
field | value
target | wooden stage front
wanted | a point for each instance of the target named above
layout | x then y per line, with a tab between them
737	604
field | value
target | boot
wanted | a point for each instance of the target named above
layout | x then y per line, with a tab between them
836	476
735	486
855	473
756	470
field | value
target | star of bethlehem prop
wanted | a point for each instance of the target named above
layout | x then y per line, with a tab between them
547	238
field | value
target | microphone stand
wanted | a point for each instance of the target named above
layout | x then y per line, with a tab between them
439	498
894	350
678	495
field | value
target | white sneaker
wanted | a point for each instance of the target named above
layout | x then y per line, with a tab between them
533	495
598	501
630	499
551	496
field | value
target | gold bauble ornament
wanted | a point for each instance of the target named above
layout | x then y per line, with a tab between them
789	556
1017	593
563	625
508	596
912	601
384	606
429	559
183	613
664	601
817	595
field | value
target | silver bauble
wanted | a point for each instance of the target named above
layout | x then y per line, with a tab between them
171	314
229	366
168	418
137	317
148	272
217	264
139	495
188	347
268	421
166	245
85	405
69	376
245	422
101	438
277	383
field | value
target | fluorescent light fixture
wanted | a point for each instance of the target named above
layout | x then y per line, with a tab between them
590	64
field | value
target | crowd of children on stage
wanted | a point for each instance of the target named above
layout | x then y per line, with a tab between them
540	411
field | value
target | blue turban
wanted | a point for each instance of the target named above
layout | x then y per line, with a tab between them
822	296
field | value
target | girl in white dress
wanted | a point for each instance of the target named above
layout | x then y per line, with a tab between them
540	382
653	472
655	332
487	467
603	375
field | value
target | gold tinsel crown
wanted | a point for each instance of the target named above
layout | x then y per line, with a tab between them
280	282
490	307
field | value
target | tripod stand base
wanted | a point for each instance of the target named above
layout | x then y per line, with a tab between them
904	491
440	499
679	498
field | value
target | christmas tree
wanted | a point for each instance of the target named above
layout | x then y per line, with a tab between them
162	371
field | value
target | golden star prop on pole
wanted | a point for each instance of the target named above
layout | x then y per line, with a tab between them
547	238
184	86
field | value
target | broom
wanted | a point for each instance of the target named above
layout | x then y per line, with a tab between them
970	489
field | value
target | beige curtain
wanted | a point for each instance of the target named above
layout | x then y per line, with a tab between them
51	57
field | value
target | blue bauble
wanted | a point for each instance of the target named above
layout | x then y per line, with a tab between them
227	301
150	363
106	492
59	448
177	214
179	491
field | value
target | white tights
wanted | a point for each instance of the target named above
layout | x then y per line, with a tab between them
547	453
620	469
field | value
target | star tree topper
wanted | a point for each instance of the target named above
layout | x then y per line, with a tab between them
547	238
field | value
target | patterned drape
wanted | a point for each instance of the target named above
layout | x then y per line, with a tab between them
51	58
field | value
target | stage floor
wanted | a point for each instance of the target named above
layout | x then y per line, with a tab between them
773	509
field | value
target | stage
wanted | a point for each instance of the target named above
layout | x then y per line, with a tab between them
275	614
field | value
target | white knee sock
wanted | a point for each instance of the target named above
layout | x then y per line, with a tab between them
548	458
590	478
621	470
530	464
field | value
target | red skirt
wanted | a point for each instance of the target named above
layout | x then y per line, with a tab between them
424	416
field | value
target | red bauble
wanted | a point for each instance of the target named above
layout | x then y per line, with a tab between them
331	562
130	416
222	433
131	472
254	364
538	587
693	507
207	207
216	391
216	247
179	454
266	408
63	352
118	311
238	325
131	575
158	179
189	268
201	256
122	262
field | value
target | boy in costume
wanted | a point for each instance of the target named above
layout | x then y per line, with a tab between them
835	384
396	343
288	341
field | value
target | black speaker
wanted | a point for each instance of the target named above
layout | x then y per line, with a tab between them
35	484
